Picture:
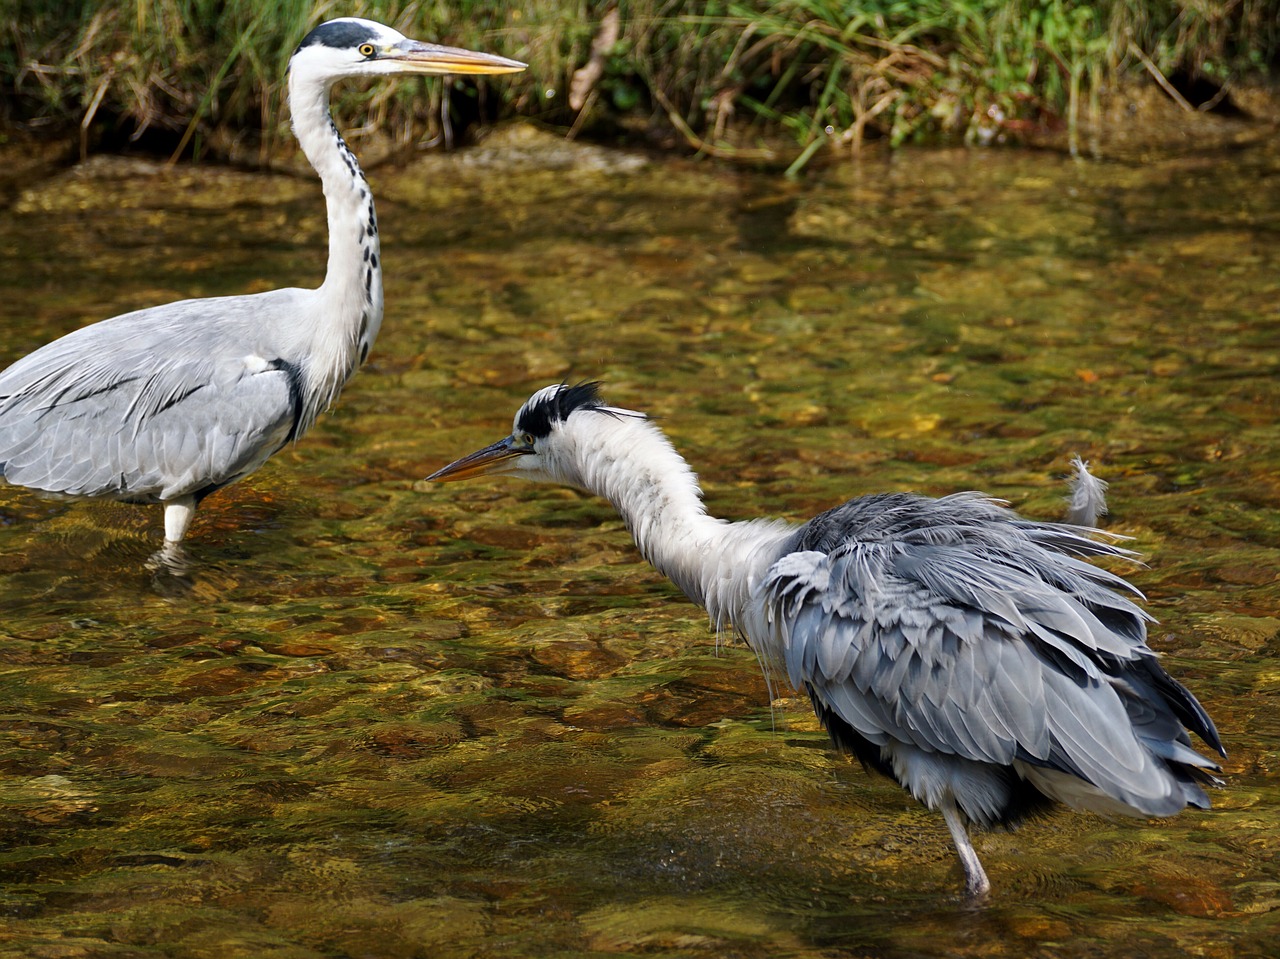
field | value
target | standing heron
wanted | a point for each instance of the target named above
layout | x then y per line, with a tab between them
966	652
168	404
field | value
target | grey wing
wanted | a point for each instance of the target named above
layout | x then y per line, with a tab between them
951	652
145	407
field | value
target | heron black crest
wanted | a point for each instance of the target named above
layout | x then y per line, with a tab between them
339	34
554	406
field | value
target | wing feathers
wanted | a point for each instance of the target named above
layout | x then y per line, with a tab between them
953	627
79	416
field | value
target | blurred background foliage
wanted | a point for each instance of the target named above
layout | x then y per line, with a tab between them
199	77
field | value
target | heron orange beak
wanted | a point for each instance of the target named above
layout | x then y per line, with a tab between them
491	459
436	60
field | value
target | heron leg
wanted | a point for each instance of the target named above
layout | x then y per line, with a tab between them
976	884
178	514
171	558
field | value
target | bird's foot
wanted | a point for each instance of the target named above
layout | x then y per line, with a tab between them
977	890
170	559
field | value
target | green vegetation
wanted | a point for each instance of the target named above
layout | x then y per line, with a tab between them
721	75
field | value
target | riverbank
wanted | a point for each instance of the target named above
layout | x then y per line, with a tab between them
766	82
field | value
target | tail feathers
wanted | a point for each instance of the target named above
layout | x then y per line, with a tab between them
1181	754
1180	700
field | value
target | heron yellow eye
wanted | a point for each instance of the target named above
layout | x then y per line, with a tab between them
525	439
367	49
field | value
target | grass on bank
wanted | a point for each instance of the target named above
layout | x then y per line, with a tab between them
721	75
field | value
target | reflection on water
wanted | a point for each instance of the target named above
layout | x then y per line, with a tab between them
389	720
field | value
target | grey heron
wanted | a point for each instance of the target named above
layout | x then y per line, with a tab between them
960	649
168	404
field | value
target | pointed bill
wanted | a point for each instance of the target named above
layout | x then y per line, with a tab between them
434	59
491	459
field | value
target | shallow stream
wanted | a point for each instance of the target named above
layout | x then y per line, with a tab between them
386	719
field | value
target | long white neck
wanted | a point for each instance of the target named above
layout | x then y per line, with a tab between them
633	465
349	302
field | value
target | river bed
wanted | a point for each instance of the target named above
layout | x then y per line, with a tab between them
381	718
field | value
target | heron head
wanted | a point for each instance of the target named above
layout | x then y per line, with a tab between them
352	47
541	445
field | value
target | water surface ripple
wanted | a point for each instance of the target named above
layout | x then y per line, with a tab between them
390	720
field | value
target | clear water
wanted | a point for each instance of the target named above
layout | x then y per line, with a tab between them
387	719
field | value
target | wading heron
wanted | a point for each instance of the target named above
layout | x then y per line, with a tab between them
968	653
168	404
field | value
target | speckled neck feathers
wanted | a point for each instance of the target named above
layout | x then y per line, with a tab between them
349	309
